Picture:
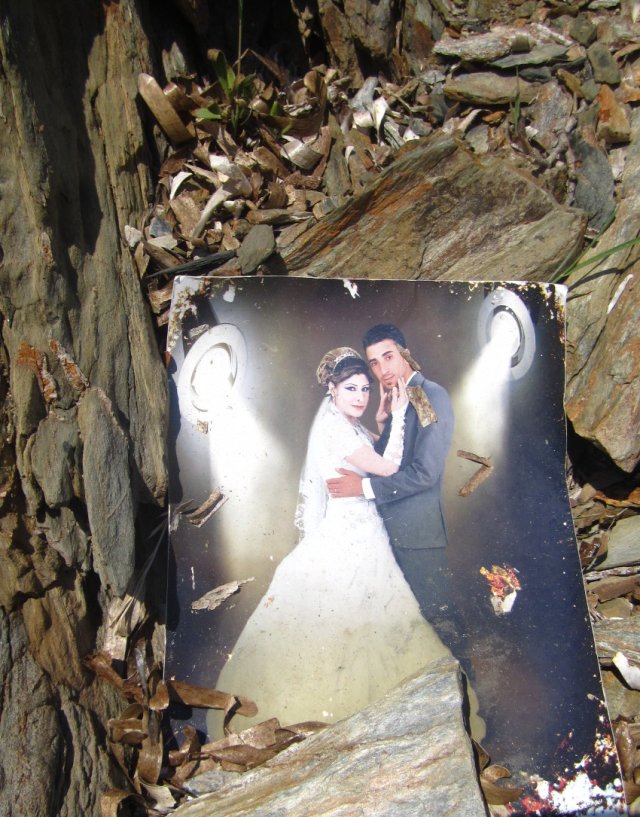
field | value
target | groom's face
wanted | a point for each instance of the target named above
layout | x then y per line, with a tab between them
387	364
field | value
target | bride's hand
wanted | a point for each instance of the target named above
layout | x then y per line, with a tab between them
384	408
399	397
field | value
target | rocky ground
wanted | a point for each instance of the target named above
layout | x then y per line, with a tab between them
522	119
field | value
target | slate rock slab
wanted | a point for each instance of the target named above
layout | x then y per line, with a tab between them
622	635
406	755
442	212
487	88
107	485
624	544
256	247
603	316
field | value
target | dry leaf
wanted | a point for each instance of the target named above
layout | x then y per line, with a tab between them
160	699
118	803
206	698
162	109
214	598
476	479
499	795
206	509
150	757
160	797
626	747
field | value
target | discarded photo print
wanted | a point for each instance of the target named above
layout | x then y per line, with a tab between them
367	477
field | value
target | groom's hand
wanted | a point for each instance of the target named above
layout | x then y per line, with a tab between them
384	407
348	485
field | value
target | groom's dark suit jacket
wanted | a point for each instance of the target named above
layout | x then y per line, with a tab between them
409	501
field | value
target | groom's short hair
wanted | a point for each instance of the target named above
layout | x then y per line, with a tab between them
384	331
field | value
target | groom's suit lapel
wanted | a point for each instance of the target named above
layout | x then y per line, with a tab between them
410	426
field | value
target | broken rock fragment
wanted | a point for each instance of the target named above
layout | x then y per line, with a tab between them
256	247
486	88
605	68
407	754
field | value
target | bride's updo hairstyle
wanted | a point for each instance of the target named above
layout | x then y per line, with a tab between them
340	364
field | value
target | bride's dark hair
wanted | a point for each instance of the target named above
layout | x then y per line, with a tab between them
348	367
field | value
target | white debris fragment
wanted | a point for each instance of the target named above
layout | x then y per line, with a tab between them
351	288
132	236
618	292
630	672
230	294
177	181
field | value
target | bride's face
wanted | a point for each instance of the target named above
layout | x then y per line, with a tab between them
352	396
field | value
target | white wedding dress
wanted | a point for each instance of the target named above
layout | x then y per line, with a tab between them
338	626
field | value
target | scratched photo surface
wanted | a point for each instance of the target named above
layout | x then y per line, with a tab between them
244	395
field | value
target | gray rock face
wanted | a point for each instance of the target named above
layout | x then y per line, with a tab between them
107	485
28	719
406	755
67	275
256	247
603	313
441	212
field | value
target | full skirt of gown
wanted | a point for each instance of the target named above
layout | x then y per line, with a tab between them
337	628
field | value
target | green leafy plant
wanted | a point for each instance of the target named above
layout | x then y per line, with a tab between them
593	259
235	91
234	94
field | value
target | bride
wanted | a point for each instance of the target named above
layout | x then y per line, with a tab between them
338	626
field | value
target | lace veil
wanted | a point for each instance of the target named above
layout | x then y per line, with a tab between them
312	494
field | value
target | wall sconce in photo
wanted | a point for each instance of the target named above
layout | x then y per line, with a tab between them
504	323
213	370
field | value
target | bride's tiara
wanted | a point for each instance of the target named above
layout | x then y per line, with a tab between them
331	360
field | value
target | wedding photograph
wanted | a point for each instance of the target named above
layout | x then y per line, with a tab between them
367	477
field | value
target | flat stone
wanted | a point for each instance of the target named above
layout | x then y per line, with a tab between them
486	88
107	485
55	459
614	126
616	608
583	30
605	68
590	89
537	56
549	114
620	699
66	536
622	635
408	754
594	179
484	47
258	245
441	212
624	544
337	181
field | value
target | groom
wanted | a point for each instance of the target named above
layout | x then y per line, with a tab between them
410	501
